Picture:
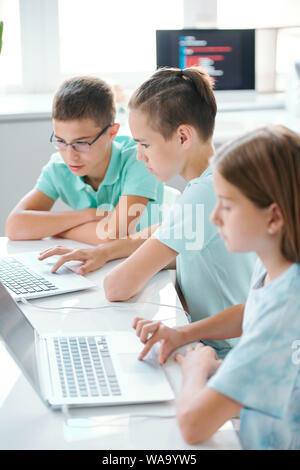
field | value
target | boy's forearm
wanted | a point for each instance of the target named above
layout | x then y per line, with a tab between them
224	325
87	233
121	248
34	225
130	276
124	247
115	247
84	233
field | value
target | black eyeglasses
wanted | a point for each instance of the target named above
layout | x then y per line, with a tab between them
77	146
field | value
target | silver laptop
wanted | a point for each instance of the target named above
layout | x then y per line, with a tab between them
93	368
26	277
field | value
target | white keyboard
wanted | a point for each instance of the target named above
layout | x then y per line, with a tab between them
20	279
85	367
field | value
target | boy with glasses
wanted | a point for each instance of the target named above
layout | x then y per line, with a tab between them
94	172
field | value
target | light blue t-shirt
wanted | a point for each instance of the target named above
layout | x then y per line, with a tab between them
125	175
263	371
209	276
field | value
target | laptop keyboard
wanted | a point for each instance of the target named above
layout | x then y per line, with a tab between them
17	277
85	367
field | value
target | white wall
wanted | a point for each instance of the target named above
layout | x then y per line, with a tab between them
25	148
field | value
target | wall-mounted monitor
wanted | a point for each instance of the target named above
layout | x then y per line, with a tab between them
228	55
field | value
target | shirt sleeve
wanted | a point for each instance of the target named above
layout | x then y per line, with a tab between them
260	372
187	227
46	181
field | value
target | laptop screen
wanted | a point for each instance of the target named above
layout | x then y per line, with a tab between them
19	337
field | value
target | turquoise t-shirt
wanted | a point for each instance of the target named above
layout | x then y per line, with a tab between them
209	276
263	371
125	175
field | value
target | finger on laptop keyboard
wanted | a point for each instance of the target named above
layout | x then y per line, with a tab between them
135	321
88	266
147	348
64	259
57	250
83	255
149	329
141	326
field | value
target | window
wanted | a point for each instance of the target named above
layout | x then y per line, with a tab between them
288	51
63	37
281	15
257	13
45	41
109	37
10	57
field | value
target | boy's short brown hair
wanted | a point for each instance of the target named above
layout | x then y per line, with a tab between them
171	97
84	97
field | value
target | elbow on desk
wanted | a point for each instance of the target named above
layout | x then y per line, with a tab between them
15	233
11	235
114	291
192	429
11	230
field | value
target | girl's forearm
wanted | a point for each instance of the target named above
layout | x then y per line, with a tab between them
191	414
223	325
201	410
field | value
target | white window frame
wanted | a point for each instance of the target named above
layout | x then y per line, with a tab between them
40	47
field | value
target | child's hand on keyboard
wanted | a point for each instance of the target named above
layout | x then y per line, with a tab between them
92	258
170	338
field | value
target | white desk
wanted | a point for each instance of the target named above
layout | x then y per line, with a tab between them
25	422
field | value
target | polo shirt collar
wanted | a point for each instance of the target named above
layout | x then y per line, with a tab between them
114	167
79	183
113	171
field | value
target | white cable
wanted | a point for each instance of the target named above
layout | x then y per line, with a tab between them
108	419
118	304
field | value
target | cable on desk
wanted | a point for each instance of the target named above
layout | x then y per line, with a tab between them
118	304
110	419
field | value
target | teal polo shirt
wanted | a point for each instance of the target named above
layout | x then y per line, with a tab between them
125	175
210	277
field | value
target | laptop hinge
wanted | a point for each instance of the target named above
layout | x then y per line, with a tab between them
44	368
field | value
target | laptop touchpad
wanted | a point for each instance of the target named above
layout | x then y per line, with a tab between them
129	364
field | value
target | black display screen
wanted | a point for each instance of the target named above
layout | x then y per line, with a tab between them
228	55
